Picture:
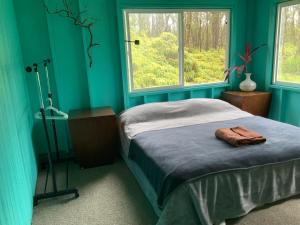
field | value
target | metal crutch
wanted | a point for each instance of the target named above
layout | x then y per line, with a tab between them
42	110
50	98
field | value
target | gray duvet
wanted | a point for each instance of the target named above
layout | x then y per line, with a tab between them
170	157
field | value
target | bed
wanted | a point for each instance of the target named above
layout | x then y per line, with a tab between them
191	177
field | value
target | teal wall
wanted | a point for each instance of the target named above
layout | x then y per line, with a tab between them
285	103
75	85
35	45
104	78
17	160
78	86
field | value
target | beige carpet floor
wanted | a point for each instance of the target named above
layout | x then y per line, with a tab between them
109	195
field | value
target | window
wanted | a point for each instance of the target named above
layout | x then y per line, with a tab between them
287	55
173	48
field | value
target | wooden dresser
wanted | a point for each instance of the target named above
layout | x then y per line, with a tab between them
94	136
256	103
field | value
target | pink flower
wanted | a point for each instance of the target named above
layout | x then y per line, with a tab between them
247	58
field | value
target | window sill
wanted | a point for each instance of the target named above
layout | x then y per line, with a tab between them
286	86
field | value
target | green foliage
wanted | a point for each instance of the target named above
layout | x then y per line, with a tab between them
289	77
204	66
289	64
289	61
155	62
289	46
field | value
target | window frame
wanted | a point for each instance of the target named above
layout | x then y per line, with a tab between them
278	28
181	45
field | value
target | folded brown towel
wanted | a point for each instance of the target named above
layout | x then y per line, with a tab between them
238	136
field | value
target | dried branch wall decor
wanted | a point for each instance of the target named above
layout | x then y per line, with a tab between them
76	17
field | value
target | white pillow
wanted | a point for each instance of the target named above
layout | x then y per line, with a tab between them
170	110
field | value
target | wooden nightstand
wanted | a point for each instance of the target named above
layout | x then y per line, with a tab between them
257	103
94	135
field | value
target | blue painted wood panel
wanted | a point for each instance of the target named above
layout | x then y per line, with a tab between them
17	159
104	78
285	105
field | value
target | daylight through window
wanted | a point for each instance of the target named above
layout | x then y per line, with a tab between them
168	49
287	57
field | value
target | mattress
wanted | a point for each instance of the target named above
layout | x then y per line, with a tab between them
158	116
215	197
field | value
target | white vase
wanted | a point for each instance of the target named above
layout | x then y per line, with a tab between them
248	84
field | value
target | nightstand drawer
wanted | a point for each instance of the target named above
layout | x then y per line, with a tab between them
94	136
256	103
